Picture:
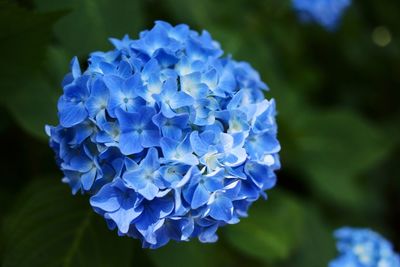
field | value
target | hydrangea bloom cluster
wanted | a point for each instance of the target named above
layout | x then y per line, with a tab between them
364	248
171	139
327	13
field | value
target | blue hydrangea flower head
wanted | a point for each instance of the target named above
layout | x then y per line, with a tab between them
363	248
170	138
327	13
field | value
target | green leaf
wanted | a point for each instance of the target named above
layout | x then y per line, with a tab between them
5	120
5	197
317	248
197	254
24	88
335	148
34	104
50	227
90	23
24	36
272	230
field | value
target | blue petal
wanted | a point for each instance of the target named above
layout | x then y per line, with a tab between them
258	146
163	207
199	146
145	117
184	146
170	174
191	85
180	120
168	147
123	93
181	99
133	85
185	149
71	113
150	191
172	132
136	179
113	82
124	69
153	212
152	88
151	161
165	59
130	164
269	144
249	191
214	181
98	99
208	234
88	178
81	132
127	121
257	172
106	199
75	68
129	143
79	163
167	111
171	127
150	138
200	197
124	217
221	209
145	225
169	89
149	68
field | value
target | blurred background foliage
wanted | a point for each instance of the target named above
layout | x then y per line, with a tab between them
339	119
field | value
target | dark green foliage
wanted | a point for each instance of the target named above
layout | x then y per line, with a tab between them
180	254
337	96
273	229
47	227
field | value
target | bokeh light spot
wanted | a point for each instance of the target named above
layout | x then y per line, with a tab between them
381	36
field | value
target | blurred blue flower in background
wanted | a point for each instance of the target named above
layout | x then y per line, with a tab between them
363	248
171	139
327	13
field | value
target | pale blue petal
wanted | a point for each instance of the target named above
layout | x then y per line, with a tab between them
168	147
75	68
200	197
150	138
136	179
150	191
221	209
181	99
123	218
113	82
172	132
106	199
88	178
151	161
198	145
127	121
129	143
71	113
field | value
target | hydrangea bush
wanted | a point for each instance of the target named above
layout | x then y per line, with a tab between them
363	248
327	13
169	138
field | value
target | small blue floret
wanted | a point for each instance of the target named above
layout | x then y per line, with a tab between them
363	248
327	13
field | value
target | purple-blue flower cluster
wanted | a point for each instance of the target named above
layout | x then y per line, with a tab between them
363	248
171	139
327	13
